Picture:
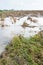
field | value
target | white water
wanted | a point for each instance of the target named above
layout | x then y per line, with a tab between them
9	31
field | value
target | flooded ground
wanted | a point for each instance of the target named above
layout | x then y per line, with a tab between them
11	28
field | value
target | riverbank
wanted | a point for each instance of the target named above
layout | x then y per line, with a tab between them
7	13
24	51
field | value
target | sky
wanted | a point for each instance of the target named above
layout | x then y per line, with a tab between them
21	4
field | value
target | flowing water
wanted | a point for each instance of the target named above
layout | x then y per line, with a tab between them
10	30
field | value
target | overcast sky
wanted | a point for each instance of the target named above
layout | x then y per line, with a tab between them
21	4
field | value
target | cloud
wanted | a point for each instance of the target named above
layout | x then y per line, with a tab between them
22	4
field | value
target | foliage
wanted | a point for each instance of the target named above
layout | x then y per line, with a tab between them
23	51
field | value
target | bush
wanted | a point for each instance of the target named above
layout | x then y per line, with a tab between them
24	51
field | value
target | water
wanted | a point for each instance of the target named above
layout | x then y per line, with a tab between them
11	30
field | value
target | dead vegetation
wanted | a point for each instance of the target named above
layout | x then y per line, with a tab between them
2	19
41	33
32	26
2	23
25	25
13	13
14	18
32	20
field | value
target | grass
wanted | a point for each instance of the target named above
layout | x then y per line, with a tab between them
23	51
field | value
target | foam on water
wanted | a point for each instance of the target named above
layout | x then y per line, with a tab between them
8	32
